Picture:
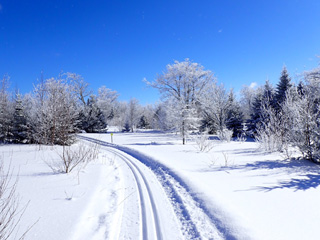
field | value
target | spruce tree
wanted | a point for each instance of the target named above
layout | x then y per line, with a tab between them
281	91
234	116
20	128
91	117
6	112
263	100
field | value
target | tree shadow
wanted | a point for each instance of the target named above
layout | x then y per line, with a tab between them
288	166
297	184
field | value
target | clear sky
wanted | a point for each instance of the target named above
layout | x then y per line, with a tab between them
118	43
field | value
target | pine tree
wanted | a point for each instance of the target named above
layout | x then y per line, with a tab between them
234	116
264	100
20	128
281	91
6	113
91	117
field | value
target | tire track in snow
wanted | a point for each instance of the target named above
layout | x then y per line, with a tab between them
197	222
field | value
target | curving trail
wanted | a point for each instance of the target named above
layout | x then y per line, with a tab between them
150	223
155	203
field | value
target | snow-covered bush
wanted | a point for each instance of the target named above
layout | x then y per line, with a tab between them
225	134
203	142
72	157
267	138
241	137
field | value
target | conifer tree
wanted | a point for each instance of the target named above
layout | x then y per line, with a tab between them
5	111
234	116
281	91
91	117
20	128
264	100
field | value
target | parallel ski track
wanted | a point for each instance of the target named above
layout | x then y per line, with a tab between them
174	186
144	196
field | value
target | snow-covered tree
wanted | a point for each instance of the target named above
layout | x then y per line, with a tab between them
216	105
133	113
147	119
106	101
6	111
161	119
281	90
56	116
20	130
234	116
91	117
304	109
183	83
248	95
78	86
263	100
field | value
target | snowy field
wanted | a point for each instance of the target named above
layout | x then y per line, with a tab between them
234	191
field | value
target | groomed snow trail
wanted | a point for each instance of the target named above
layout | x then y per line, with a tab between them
149	220
155	205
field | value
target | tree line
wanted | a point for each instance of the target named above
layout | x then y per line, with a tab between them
191	101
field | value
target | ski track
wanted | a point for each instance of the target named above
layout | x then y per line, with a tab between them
150	221
195	220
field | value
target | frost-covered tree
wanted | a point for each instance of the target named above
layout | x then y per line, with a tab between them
216	105
248	95
183	83
147	120
56	117
304	111
78	86
106	101
160	118
263	100
133	114
6	111
20	130
234	116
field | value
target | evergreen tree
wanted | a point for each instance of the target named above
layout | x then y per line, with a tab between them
234	116
91	117
6	113
281	91
143	123
20	128
264	100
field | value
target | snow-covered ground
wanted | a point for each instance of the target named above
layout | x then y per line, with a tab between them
234	191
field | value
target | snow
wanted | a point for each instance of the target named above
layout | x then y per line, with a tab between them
243	192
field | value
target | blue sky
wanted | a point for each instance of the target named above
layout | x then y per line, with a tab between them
118	43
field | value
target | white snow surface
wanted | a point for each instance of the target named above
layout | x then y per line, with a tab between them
148	186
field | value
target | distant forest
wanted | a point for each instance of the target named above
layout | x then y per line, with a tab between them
192	102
